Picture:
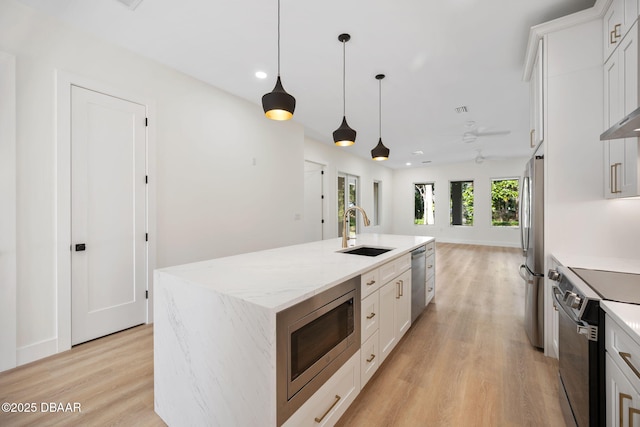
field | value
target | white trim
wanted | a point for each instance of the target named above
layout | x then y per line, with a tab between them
538	31
38	350
64	81
477	242
8	259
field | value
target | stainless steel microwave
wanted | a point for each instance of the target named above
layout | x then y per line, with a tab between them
314	338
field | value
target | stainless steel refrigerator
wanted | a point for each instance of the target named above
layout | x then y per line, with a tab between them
532	240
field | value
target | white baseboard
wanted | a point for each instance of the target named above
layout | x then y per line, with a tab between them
35	351
477	242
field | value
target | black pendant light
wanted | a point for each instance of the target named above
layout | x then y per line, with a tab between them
344	135
380	152
278	104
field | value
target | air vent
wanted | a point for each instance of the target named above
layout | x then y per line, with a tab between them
462	109
130	4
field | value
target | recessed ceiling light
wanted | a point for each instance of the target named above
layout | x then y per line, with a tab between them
261	74
408	164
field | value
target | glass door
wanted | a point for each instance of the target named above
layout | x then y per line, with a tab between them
347	197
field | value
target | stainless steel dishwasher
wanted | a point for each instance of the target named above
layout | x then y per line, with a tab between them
418	284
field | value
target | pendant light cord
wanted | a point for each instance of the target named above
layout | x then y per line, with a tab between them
344	67
278	38
380	108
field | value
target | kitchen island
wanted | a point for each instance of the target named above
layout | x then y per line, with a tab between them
215	325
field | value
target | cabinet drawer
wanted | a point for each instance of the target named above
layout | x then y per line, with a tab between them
369	282
369	358
393	268
431	289
370	315
328	404
431	248
624	351
431	265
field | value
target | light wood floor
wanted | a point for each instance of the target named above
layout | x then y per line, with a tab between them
465	362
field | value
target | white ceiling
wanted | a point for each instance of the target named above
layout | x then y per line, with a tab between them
437	55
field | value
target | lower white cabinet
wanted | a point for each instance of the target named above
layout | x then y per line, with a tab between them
395	303
623	401
622	375
328	404
369	358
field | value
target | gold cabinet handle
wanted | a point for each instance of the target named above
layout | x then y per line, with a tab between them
611	179
627	359
612	36
371	283
615	30
430	289
319	420
430	266
371	316
369	360
621	397
397	290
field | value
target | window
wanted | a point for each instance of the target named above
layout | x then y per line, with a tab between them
347	197
462	203
504	202
424	204
376	203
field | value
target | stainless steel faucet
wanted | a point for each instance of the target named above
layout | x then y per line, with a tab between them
365	219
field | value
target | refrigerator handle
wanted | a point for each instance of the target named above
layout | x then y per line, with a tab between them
524	275
523	243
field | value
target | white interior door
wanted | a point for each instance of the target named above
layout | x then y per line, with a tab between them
313	202
108	214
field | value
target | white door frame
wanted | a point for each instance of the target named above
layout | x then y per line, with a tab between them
8	259
64	81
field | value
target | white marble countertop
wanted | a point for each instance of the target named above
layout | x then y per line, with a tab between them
279	278
626	315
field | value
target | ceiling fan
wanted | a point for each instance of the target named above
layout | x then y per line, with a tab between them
474	134
480	158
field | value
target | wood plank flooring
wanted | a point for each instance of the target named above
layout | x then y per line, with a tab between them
465	362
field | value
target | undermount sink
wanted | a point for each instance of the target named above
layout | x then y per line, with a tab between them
366	251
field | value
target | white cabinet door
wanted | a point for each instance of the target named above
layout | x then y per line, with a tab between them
369	358
621	158
612	29
387	333
402	317
536	98
623	401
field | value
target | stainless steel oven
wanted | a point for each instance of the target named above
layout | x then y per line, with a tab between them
314	338
581	350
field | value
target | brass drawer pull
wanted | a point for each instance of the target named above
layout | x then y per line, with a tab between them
369	360
621	397
319	420
371	316
531	139
371	283
401	288
627	359
612	36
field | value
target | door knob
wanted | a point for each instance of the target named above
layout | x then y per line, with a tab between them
81	247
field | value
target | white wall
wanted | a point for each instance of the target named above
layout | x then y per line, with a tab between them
579	220
338	160
228	180
7	211
482	232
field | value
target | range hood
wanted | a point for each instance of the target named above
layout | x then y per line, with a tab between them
629	127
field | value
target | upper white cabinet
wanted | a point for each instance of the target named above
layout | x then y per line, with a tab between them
536	99
621	178
617	20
